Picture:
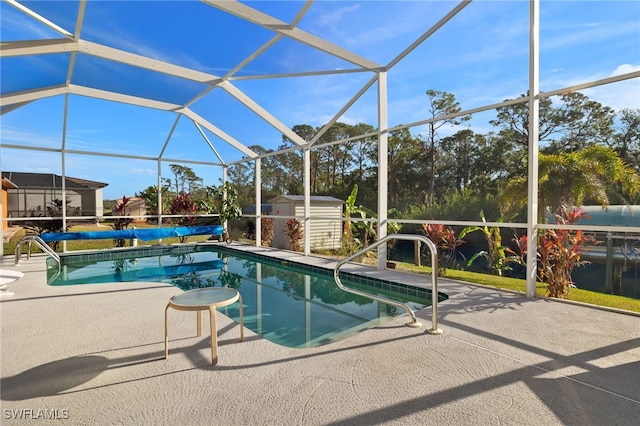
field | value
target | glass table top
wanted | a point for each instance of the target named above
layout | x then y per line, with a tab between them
206	297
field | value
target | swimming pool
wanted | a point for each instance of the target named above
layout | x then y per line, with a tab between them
291	304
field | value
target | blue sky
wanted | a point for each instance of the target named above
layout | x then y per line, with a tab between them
481	56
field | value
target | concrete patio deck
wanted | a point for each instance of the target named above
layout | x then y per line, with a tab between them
93	354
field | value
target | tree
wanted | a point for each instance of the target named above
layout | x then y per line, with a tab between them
513	121
288	166
332	161
242	176
405	181
582	121
592	174
224	202
282	173
577	123
458	159
497	159
364	153
150	196
440	104
626	141
185	179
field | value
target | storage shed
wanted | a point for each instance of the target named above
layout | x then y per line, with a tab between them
325	232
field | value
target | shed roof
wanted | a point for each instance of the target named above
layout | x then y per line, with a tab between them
264	208
315	199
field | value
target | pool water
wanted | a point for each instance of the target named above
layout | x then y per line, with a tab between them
289	304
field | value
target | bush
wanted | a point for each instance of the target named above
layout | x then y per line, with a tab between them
267	230
294	233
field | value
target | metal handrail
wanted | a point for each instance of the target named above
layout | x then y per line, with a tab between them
41	244
434	280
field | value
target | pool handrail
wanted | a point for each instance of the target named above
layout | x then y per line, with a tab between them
434	279
41	244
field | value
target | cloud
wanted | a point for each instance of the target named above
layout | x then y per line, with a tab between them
28	138
620	95
587	34
143	171
30	161
336	16
14	22
625	69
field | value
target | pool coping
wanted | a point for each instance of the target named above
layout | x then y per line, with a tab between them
353	273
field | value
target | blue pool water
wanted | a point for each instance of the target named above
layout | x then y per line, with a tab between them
290	304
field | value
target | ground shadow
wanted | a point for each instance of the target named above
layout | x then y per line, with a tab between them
52	378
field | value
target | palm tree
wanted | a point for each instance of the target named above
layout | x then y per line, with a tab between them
568	179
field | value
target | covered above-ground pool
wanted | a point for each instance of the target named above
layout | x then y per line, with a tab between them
618	215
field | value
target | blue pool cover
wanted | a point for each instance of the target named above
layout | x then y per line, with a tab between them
127	234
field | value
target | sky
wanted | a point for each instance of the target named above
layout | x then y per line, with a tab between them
480	55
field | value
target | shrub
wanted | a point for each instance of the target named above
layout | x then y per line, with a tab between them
294	233
559	251
446	241
183	205
267	229
120	209
499	257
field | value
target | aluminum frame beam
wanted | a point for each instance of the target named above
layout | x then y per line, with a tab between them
269	22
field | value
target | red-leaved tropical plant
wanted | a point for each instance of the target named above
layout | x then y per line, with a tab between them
121	222
446	241
185	206
559	251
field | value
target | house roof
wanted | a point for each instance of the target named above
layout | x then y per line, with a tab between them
87	183
7	184
26	180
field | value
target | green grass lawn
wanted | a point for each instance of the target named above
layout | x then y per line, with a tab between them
513	284
520	285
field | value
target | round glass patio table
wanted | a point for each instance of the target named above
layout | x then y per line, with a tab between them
199	300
